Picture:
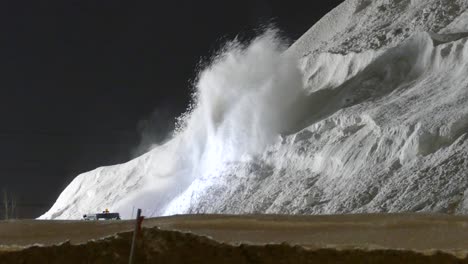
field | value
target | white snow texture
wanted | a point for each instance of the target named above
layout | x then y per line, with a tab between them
367	112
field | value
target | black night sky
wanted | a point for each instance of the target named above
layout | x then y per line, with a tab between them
78	78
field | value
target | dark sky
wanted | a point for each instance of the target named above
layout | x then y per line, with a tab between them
79	76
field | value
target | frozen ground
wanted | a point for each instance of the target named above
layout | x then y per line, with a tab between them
367	112
418	232
386	238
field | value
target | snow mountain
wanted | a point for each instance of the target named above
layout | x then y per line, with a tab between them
366	112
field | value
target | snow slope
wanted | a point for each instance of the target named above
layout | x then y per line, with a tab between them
367	112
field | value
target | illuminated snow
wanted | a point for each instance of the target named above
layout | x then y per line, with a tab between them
367	112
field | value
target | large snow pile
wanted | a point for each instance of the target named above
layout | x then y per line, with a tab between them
367	112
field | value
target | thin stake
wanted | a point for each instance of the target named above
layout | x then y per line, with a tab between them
137	228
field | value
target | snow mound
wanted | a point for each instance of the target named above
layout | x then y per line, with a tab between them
367	112
240	108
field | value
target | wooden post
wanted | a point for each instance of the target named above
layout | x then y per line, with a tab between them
6	204
135	232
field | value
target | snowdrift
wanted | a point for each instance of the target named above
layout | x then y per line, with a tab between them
367	112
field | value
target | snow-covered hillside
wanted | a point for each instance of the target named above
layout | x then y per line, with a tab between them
367	112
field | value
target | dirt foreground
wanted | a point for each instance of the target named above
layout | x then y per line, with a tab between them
380	238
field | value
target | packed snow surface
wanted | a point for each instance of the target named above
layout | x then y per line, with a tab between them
367	112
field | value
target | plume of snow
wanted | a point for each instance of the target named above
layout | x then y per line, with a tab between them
243	101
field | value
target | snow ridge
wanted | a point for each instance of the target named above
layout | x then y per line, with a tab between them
398	144
367	116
